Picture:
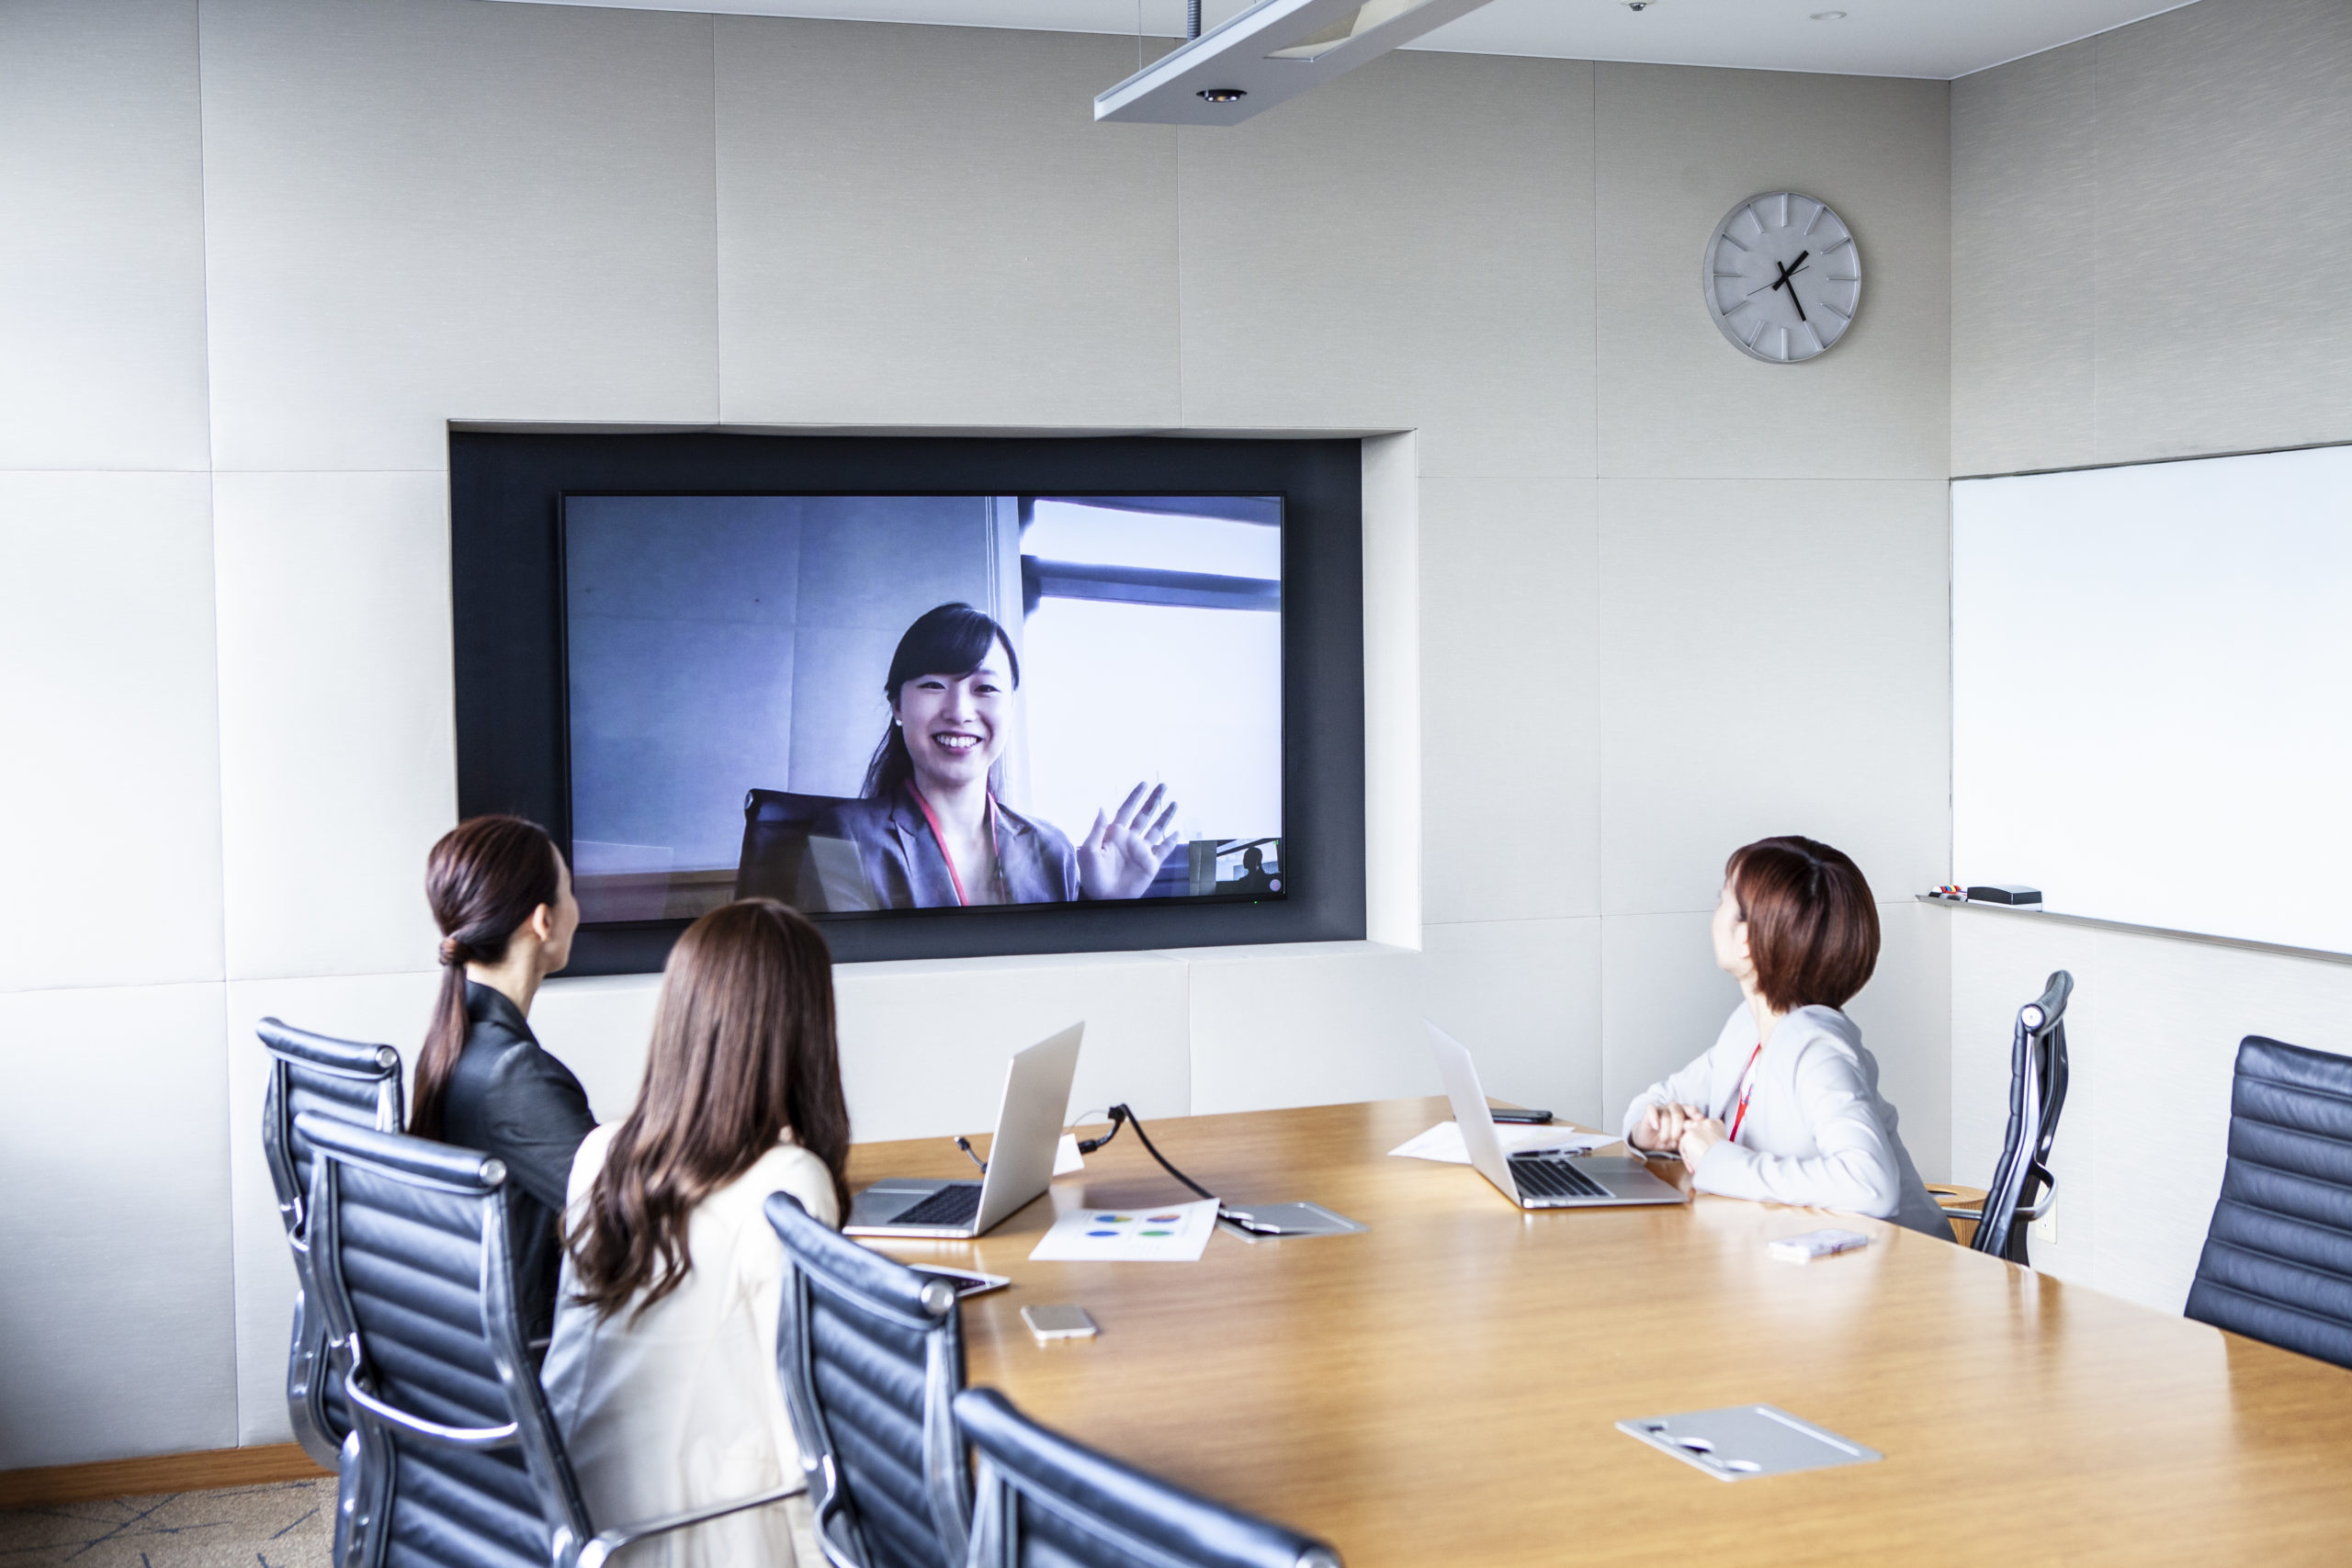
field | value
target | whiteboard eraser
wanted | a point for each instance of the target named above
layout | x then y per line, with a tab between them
2004	894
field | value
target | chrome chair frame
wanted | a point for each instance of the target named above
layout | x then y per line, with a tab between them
369	1486
359	1075
2038	1077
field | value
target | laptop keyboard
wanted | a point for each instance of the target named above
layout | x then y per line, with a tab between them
1549	1176
955	1205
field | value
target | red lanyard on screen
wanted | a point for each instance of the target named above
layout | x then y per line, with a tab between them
940	839
1746	1088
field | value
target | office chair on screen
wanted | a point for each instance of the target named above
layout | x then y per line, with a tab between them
456	1458
776	861
871	1354
335	1077
2278	1259
2023	1190
1046	1502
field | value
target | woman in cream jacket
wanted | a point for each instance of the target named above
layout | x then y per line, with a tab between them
663	1372
1785	1107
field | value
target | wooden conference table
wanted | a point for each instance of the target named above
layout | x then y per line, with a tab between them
1443	1390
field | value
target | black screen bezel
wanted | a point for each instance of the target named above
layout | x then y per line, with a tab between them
506	575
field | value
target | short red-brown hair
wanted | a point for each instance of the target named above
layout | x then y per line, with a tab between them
1812	924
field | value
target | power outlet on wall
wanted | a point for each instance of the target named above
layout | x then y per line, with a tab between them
2046	1227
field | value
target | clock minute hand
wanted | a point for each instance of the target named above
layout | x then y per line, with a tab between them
1788	278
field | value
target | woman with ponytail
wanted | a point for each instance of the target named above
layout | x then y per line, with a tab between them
502	895
662	1372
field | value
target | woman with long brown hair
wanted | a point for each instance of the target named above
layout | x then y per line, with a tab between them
662	1370
502	895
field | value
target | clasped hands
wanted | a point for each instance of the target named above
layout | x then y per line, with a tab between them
1685	1129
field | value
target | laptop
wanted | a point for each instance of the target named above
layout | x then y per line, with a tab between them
1021	1157
1538	1179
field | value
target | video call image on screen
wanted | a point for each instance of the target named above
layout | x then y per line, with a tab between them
873	703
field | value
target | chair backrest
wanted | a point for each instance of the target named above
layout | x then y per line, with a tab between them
871	1355
2277	1259
776	847
458	1456
1044	1501
316	1072
2021	1180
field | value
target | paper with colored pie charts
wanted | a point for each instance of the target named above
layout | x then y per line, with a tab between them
1175	1234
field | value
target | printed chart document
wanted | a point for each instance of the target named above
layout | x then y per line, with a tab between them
1173	1233
1443	1142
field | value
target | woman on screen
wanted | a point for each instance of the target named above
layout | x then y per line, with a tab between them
1786	1108
930	831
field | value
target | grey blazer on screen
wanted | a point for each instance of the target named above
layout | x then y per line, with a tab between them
904	867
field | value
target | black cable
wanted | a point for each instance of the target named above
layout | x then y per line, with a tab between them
1121	1116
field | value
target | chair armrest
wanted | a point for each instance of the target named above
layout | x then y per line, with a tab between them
1976	1214
464	1437
598	1552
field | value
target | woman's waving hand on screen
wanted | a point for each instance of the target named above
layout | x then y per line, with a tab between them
1123	853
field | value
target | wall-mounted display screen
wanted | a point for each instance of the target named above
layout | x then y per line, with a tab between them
871	703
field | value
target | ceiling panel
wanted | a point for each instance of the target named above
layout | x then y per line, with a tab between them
1939	39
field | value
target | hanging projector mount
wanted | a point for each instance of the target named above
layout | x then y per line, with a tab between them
1272	52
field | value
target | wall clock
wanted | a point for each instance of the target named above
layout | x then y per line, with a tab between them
1782	278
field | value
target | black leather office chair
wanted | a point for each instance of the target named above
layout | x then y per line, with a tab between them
871	1354
1045	1502
2023	1190
456	1458
774	859
2278	1259
337	1078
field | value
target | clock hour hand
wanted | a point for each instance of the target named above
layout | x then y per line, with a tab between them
1788	275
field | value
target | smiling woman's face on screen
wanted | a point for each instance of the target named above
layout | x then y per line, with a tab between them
955	725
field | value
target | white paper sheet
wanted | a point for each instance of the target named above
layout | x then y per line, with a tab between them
1174	1232
1443	1142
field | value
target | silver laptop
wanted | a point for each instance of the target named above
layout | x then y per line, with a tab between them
1021	1157
1537	1179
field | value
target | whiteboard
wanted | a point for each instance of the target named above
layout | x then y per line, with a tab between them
2152	693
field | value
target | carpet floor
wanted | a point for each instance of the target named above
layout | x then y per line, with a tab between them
287	1524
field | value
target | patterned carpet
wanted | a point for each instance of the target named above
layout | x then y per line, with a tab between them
287	1524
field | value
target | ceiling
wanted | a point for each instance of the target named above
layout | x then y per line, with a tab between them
1938	38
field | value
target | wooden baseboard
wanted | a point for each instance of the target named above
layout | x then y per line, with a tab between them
158	1473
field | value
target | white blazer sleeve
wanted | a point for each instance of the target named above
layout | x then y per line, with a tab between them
1856	1168
1695	1084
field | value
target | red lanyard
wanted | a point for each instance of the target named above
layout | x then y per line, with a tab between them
1748	1088
940	839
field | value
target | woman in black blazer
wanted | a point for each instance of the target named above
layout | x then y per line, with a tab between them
502	895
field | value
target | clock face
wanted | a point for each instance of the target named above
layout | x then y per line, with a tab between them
1783	277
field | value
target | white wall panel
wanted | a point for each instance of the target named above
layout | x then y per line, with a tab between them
924	1043
421	210
599	1026
1525	996
1410	246
2224	332
337	732
117	1286
102	252
1663	1001
1904	1014
1305	1024
1511	664
2024	243
109	711
1678	147
1774	660
392	1009
994	258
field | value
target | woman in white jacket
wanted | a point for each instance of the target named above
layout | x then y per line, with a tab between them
1785	1107
661	1373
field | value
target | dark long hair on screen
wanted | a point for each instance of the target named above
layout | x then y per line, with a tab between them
482	879
949	640
744	1050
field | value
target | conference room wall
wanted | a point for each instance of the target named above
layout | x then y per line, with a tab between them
2084	191
395	213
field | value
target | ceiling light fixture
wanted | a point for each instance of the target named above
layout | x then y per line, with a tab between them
1273	50
1829	16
